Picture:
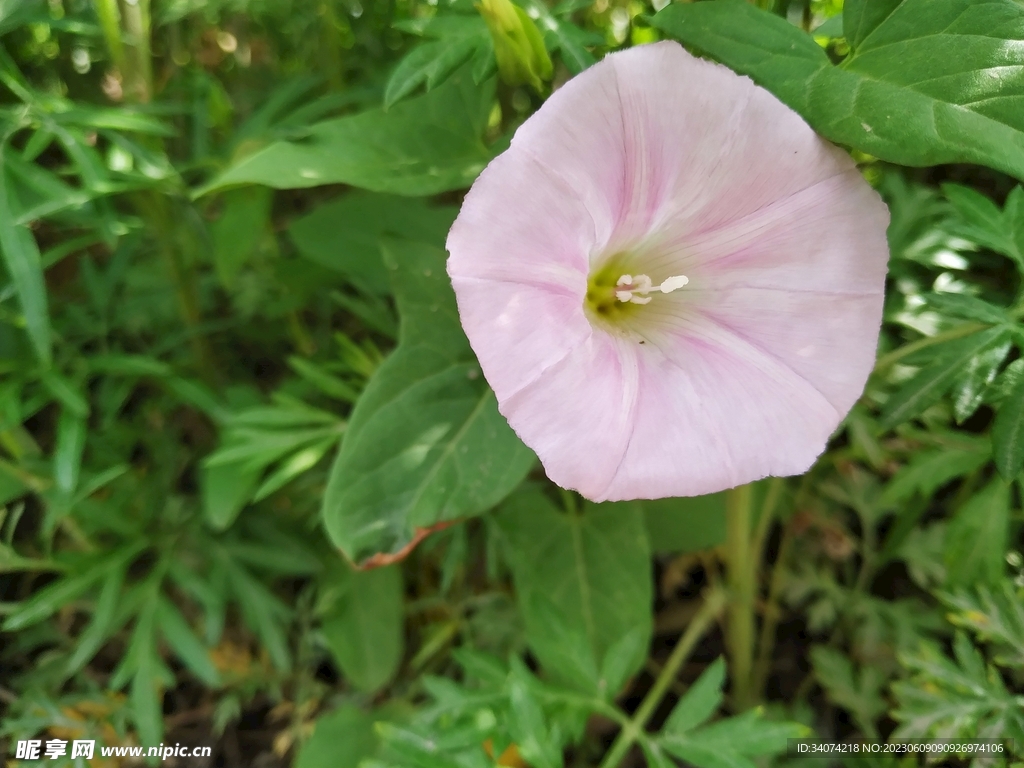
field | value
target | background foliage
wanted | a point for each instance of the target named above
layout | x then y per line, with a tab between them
229	354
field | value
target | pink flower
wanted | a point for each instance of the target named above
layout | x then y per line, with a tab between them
673	285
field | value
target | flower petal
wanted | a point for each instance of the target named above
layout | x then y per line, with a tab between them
713	412
827	339
577	416
828	238
518	331
696	174
672	140
518	262
520	224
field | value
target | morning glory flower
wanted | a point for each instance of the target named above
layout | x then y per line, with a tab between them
673	285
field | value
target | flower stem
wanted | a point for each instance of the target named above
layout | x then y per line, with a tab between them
714	602
110	22
740	578
772	612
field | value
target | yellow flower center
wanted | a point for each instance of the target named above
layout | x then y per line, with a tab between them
613	295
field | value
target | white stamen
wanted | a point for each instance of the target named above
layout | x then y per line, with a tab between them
677	281
642	284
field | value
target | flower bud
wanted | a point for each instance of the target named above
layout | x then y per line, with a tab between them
518	44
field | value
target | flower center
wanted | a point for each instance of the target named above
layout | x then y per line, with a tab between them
612	298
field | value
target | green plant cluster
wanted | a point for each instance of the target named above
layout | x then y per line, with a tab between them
255	492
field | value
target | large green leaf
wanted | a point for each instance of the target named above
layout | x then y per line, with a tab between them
344	234
685	524
583	581
928	81
421	146
861	17
363	623
425	443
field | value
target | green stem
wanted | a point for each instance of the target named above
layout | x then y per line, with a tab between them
137	74
740	577
110	22
764	522
714	602
331	45
772	613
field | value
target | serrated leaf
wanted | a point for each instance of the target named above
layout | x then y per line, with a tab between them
592	567
928	471
930	383
858	691
656	757
425	443
943	698
732	742
928	81
977	537
968	307
527	724
982	222
1008	433
972	384
995	615
700	702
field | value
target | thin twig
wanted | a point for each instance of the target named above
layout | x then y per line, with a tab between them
713	605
